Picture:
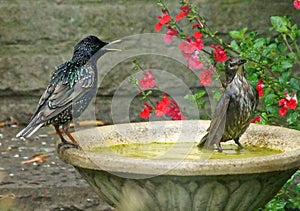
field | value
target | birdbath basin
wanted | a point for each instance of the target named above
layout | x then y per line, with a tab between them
183	182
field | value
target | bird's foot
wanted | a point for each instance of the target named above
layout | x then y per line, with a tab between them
239	148
238	143
64	145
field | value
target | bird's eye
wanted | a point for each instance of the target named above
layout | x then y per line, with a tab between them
231	64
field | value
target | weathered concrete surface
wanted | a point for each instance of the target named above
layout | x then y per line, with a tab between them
49	198
49	186
36	36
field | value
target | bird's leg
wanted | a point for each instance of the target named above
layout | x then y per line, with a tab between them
70	136
236	140
64	143
63	140
219	147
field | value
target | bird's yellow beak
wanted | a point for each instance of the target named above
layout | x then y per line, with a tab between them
111	43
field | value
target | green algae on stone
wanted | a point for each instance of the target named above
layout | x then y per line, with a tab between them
188	150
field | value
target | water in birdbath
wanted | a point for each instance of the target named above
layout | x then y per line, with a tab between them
172	150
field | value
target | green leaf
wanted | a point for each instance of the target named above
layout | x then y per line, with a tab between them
217	93
196	98
298	33
160	4
264	118
239	35
287	64
292	117
260	42
145	94
201	103
292	55
252	77
190	97
280	24
234	45
270	99
293	33
199	94
272	109
270	50
252	35
295	84
284	78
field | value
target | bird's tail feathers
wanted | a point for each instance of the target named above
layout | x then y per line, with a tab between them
29	130
203	141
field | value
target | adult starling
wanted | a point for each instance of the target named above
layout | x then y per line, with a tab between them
234	110
72	87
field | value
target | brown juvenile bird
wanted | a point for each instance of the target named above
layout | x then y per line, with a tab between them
71	88
234	110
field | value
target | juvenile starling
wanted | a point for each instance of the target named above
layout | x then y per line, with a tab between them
72	87
234	110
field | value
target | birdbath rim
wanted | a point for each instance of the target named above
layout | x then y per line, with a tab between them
273	137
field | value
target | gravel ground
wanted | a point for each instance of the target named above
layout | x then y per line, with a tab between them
51	185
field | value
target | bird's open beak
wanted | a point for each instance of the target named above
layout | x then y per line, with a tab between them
242	61
113	42
113	49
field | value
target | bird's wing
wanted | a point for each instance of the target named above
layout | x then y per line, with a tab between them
58	96
56	77
61	95
217	125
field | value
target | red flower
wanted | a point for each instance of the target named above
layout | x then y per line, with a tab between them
184	12
194	62
197	35
256	119
190	50
145	113
174	111
297	4
292	104
165	106
259	87
219	53
196	25
282	111
161	106
148	81
197	42
287	103
205	77
162	21
187	48
169	35
291	101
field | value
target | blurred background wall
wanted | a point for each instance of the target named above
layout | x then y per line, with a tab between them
36	36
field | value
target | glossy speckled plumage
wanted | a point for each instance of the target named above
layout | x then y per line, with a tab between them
71	88
234	110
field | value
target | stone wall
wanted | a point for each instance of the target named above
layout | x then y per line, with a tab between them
36	36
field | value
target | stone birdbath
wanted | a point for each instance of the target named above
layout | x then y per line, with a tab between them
183	182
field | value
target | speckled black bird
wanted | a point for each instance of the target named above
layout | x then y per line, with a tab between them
234	110
72	87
